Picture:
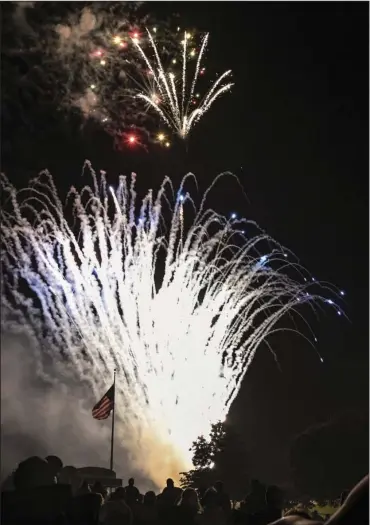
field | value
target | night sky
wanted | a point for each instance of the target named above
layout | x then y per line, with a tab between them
295	131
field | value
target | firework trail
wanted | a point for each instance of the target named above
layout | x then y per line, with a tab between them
174	101
180	312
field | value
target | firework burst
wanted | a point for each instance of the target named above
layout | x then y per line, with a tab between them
95	61
76	57
180	312
173	99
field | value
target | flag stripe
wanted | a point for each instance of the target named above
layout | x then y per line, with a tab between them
103	408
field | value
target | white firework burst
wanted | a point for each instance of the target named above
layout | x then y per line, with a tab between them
173	98
180	312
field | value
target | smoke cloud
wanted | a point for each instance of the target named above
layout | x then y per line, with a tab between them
41	417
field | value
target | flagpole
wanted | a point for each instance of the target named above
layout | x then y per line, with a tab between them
113	413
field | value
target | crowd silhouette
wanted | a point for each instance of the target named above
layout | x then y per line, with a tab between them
44	492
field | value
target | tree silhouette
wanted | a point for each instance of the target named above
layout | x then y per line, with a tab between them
222	456
205	452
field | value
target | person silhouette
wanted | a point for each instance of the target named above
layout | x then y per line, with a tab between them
115	511
170	494
132	493
148	511
188	508
55	463
223	497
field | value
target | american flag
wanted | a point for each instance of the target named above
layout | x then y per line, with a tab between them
103	408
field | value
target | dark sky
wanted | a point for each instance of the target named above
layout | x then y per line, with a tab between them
295	130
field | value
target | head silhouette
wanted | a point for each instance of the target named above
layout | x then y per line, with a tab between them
33	472
98	488
189	498
119	494
219	486
210	498
131	482
150	498
170	484
56	464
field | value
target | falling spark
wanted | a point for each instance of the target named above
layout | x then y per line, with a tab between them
181	339
102	62
177	97
117	40
161	137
